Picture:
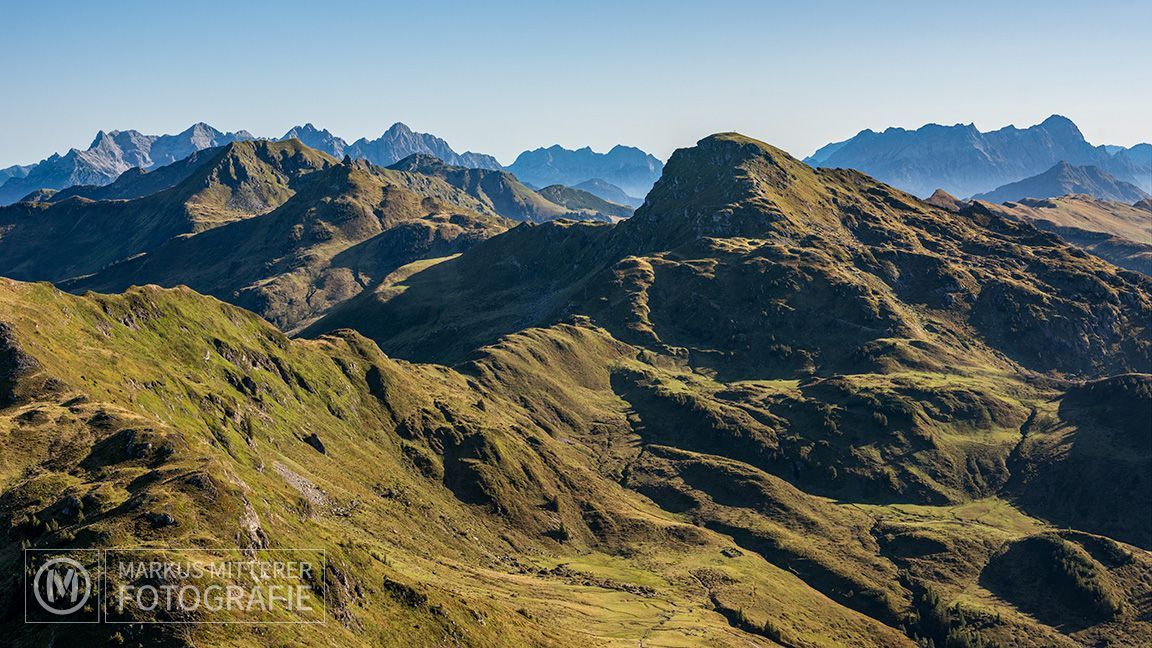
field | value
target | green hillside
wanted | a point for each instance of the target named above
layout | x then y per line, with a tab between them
775	407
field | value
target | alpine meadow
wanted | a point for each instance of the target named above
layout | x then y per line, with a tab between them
676	360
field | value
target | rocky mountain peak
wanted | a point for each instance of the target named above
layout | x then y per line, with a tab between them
102	139
730	185
1062	125
399	128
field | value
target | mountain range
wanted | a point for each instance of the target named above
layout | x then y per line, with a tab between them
110	154
504	194
964	161
397	143
777	406
1063	179
627	168
118	151
279	228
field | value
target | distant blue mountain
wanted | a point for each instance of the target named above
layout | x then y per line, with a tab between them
965	161
1064	179
609	192
15	171
397	143
626	167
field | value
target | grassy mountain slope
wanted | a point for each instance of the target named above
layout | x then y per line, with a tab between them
345	228
450	510
811	337
1116	232
76	237
456	510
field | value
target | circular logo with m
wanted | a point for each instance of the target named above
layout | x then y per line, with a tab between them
62	586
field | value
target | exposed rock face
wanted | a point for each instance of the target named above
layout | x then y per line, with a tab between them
15	366
397	143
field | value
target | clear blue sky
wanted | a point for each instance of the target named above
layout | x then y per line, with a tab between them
500	77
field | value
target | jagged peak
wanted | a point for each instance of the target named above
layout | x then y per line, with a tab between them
102	136
307	128
200	128
399	128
